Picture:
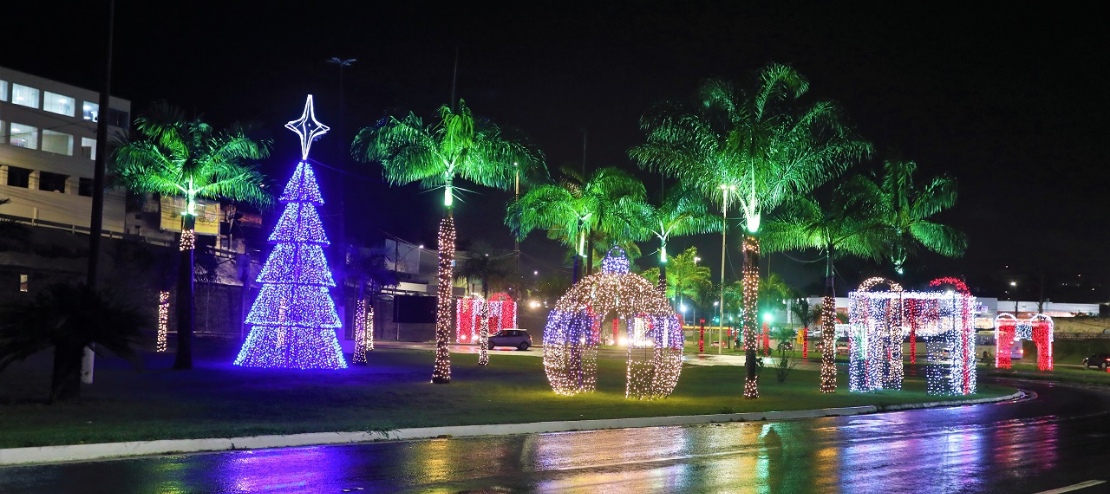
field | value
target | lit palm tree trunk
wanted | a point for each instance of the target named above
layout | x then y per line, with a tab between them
828	330
364	327
186	307
751	290
442	372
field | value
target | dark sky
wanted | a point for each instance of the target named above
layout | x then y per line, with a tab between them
1010	101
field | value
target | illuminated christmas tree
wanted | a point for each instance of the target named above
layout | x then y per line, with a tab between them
293	320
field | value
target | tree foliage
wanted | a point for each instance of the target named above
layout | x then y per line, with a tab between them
67	318
604	204
173	155
905	210
685	277
455	145
765	146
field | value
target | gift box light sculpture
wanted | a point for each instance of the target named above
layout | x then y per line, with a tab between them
502	315
293	320
1010	330
879	321
572	333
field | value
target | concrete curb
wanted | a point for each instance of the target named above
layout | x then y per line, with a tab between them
85	452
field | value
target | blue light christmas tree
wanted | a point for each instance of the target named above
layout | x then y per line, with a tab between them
293	320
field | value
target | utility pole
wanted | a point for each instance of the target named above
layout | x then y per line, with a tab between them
340	269
96	222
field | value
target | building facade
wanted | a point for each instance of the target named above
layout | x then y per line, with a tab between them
47	152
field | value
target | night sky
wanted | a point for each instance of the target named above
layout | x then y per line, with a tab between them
1010	101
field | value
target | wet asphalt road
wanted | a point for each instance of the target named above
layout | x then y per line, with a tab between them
1059	439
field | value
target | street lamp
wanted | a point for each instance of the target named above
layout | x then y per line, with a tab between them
725	189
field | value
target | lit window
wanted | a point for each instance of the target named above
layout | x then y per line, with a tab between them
88	148
24	280
24	136
3	90
90	111
57	142
56	103
25	95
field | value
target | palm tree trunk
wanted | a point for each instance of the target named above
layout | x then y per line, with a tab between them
751	290
589	255
186	295
483	330
359	356
577	261
441	374
828	329
663	279
65	382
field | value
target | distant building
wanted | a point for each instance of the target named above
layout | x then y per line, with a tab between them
47	148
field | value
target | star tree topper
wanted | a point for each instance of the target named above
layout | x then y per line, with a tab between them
307	127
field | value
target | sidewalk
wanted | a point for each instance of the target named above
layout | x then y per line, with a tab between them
87	452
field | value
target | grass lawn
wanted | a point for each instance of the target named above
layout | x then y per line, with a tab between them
219	400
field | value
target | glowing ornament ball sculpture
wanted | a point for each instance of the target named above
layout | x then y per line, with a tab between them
572	333
878	322
293	320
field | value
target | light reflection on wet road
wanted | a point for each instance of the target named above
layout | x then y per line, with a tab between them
1013	448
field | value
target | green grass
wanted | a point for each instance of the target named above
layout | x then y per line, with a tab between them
219	400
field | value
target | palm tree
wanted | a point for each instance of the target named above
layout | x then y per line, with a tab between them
847	226
368	269
906	211
687	279
680	214
805	315
172	155
456	146
486	265
759	148
68	318
581	211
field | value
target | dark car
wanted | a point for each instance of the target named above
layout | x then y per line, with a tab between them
1100	360
518	338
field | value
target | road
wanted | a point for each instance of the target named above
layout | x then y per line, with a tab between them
1053	441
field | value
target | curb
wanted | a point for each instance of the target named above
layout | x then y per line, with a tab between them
86	452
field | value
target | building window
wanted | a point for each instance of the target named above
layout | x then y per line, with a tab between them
57	142
118	118
19	177
24	136
84	187
90	110
56	103
24	281
88	148
3	90
53	182
25	95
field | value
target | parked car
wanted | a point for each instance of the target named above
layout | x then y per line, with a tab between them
1100	360
518	338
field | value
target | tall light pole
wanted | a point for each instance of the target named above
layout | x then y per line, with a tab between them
725	189
695	308
516	240
1014	284
339	269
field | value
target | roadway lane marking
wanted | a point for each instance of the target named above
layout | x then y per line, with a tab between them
1076	487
